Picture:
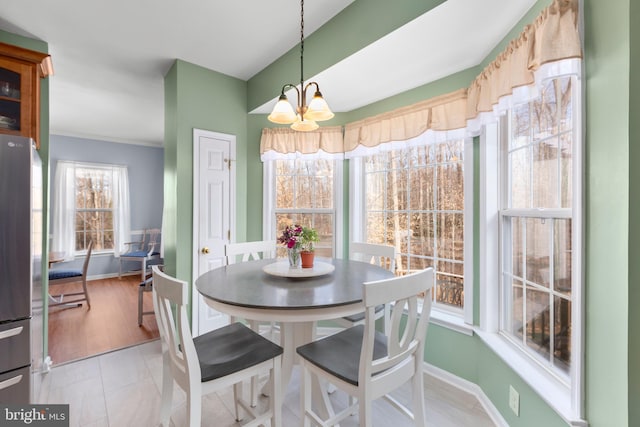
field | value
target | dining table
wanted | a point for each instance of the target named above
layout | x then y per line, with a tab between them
269	290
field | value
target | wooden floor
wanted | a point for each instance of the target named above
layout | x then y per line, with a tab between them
111	323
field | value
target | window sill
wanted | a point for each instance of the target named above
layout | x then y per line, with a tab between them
450	321
555	394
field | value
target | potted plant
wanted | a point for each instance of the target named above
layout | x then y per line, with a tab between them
308	239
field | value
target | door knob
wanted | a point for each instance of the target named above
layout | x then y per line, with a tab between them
205	250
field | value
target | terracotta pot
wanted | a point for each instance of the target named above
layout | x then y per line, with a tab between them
307	259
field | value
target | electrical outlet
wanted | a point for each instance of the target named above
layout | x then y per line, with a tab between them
514	401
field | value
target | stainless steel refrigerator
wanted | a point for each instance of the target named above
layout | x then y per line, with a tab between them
20	268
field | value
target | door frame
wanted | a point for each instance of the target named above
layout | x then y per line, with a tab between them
197	133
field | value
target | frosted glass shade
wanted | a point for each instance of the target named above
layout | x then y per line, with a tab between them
318	109
283	112
305	125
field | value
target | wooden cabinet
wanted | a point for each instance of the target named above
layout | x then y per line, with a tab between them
20	74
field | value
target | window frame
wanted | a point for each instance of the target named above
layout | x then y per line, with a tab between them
459	320
565	397
269	231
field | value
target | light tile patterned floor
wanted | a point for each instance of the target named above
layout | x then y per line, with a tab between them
122	388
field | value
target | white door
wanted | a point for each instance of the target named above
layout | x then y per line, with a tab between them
213	215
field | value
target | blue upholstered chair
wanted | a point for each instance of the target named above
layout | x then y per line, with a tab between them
147	249
62	276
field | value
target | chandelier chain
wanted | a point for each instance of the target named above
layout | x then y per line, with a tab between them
301	43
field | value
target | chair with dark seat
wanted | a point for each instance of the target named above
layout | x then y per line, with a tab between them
143	251
370	364
381	255
218	359
62	276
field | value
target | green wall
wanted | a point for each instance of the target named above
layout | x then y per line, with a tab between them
634	212
40	46
198	98
608	367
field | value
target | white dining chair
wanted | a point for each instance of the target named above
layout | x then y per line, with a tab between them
381	255
247	251
368	364
218	359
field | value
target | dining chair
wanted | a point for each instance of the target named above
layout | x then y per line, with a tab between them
61	276
381	255
142	251
370	364
247	251
218	359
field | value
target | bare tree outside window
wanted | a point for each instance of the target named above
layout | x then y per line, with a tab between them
94	208
304	195
415	202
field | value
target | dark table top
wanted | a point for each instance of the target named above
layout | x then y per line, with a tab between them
245	284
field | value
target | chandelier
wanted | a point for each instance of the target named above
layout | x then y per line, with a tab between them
304	117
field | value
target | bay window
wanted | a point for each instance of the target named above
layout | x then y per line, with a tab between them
414	196
537	221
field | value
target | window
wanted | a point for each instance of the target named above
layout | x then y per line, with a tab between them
94	208
538	228
414	199
304	193
91	202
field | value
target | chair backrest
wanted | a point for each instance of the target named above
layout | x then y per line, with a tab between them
153	240
404	339
381	255
262	249
174	330
85	264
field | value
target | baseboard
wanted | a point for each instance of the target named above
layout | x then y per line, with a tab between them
468	387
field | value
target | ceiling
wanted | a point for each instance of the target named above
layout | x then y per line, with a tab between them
110	57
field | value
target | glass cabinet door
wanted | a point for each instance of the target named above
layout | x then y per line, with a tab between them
10	102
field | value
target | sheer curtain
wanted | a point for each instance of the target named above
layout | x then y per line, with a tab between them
64	202
121	211
64	213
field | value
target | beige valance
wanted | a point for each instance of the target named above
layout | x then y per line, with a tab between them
286	141
552	37
440	113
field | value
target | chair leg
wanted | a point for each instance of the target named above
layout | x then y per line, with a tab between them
305	396
194	405
140	298
364	406
237	395
276	393
144	269
86	294
419	413
167	391
255	325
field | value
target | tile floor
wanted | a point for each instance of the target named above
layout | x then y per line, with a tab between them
122	388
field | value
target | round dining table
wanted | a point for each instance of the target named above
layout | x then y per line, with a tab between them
280	295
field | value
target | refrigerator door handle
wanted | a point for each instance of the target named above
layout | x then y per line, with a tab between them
11	381
11	332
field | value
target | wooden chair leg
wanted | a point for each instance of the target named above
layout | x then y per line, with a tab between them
86	294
